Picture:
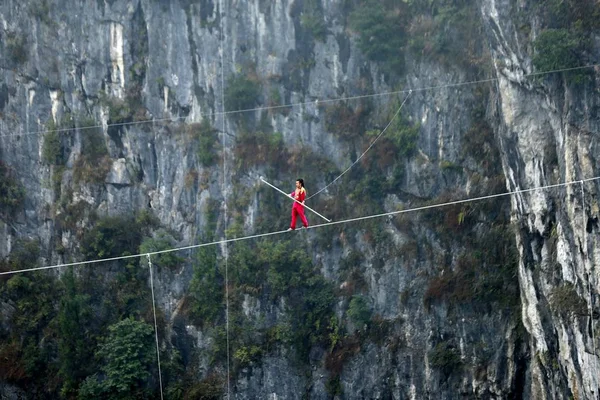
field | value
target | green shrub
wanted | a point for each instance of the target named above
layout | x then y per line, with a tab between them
346	122
278	334
24	254
93	144
259	148
55	150
479	143
246	355
315	24
27	349
312	19
52	149
40	9
241	93
381	33
75	343
368	193
352	260
404	136
447	32
209	388
207	137
445	357
111	237
16	47
333	386
559	49
282	270
94	163
161	240
584	14
120	111
565	301
358	311
91	388
12	192
205	295
311	308
127	357
275	98
485	275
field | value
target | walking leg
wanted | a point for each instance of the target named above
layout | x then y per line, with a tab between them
303	218
294	214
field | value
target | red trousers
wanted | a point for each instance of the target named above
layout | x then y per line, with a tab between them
295	212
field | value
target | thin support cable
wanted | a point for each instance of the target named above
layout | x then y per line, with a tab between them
340	222
305	103
155	327
368	148
225	249
590	275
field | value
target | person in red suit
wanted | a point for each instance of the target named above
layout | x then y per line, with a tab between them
298	209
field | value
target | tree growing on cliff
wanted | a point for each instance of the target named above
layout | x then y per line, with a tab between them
12	193
381	33
127	356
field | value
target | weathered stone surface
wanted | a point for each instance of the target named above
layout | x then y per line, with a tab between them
173	58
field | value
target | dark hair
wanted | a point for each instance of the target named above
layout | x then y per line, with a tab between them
301	181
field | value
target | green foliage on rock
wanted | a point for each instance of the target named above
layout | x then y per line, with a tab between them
404	136
345	121
259	148
205	295
207	137
282	271
241	93
381	33
53	147
447	32
75	341
40	9
358	311
26	344
159	241
557	49
12	192
127	356
111	237
312	19
445	358
315	24
49	339
581	14
479	143
565	301
566	40
16	47
246	355
124	110
93	164
209	388
485	275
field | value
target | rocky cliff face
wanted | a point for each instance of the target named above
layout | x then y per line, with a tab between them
546	131
115	108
